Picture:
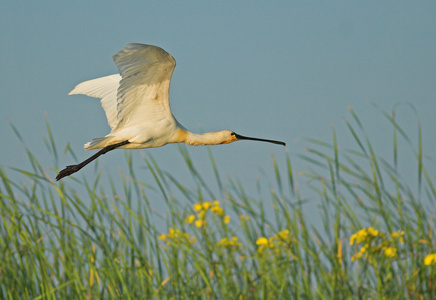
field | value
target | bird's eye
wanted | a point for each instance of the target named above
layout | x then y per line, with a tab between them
232	133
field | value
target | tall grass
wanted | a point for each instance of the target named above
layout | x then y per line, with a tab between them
109	242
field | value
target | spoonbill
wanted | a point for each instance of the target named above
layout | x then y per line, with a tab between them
137	106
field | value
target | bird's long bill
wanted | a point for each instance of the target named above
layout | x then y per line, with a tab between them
241	137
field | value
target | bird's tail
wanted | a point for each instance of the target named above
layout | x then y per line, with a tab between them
98	143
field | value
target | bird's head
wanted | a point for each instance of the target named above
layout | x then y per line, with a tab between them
229	136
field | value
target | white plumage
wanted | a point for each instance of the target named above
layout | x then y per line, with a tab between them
136	103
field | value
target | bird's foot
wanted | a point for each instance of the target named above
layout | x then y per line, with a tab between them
68	171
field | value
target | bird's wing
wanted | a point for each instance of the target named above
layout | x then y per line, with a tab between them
104	88
144	88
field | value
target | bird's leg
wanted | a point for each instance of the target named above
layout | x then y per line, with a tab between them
74	168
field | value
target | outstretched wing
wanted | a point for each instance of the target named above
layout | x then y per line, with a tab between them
144	88
106	89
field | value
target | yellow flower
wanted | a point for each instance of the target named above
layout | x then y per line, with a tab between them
376	243
200	223
172	233
398	235
362	235
225	242
390	251
176	236
277	243
430	259
359	254
372	231
235	242
284	235
358	237
262	241
226	219
206	205
202	208
218	210
190	219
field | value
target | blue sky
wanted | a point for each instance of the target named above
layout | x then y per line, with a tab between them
282	70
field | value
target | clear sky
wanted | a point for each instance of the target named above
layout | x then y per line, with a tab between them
279	70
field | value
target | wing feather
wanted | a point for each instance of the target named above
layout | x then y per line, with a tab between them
106	89
144	88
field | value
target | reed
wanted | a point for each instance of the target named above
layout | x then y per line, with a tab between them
106	241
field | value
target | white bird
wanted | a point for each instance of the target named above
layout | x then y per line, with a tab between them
137	106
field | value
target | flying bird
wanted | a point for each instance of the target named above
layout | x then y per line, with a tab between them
136	103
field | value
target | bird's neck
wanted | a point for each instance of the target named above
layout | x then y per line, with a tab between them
194	139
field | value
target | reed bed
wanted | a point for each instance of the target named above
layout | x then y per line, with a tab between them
106	241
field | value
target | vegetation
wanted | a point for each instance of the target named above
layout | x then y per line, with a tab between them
376	240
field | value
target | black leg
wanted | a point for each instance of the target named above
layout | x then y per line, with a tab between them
74	168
